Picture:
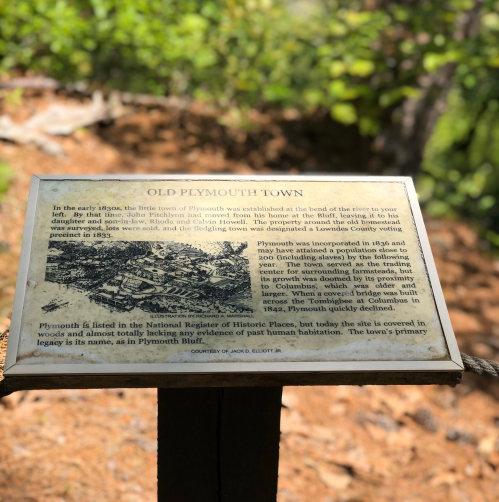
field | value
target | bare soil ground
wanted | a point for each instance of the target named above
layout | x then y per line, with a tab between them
368	444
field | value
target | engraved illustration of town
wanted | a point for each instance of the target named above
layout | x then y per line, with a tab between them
168	277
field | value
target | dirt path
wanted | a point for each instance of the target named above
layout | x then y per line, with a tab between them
368	444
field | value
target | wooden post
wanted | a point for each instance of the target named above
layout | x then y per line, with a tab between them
218	444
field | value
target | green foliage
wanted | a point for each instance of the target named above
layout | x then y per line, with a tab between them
335	54
14	97
6	175
461	168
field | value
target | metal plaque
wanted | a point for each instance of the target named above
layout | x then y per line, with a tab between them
203	274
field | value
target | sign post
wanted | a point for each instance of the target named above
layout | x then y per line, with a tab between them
218	444
219	291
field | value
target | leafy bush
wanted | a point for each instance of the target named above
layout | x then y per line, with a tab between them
460	172
358	63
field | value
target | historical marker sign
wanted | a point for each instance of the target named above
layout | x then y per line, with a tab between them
137	275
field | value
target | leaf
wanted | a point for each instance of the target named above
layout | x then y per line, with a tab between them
6	175
487	202
344	113
433	61
368	126
361	68
491	20
337	68
205	57
276	92
313	97
337	88
438	208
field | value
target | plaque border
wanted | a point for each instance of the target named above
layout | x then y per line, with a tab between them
11	369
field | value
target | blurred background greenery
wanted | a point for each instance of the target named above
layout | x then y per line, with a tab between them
417	82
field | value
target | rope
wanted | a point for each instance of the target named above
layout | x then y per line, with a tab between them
480	366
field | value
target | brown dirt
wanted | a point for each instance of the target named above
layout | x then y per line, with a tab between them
338	443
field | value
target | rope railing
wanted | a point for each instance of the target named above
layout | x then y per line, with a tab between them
480	366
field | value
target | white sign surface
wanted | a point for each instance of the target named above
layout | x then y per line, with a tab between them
200	274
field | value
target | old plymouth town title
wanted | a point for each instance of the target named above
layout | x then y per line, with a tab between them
222	192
